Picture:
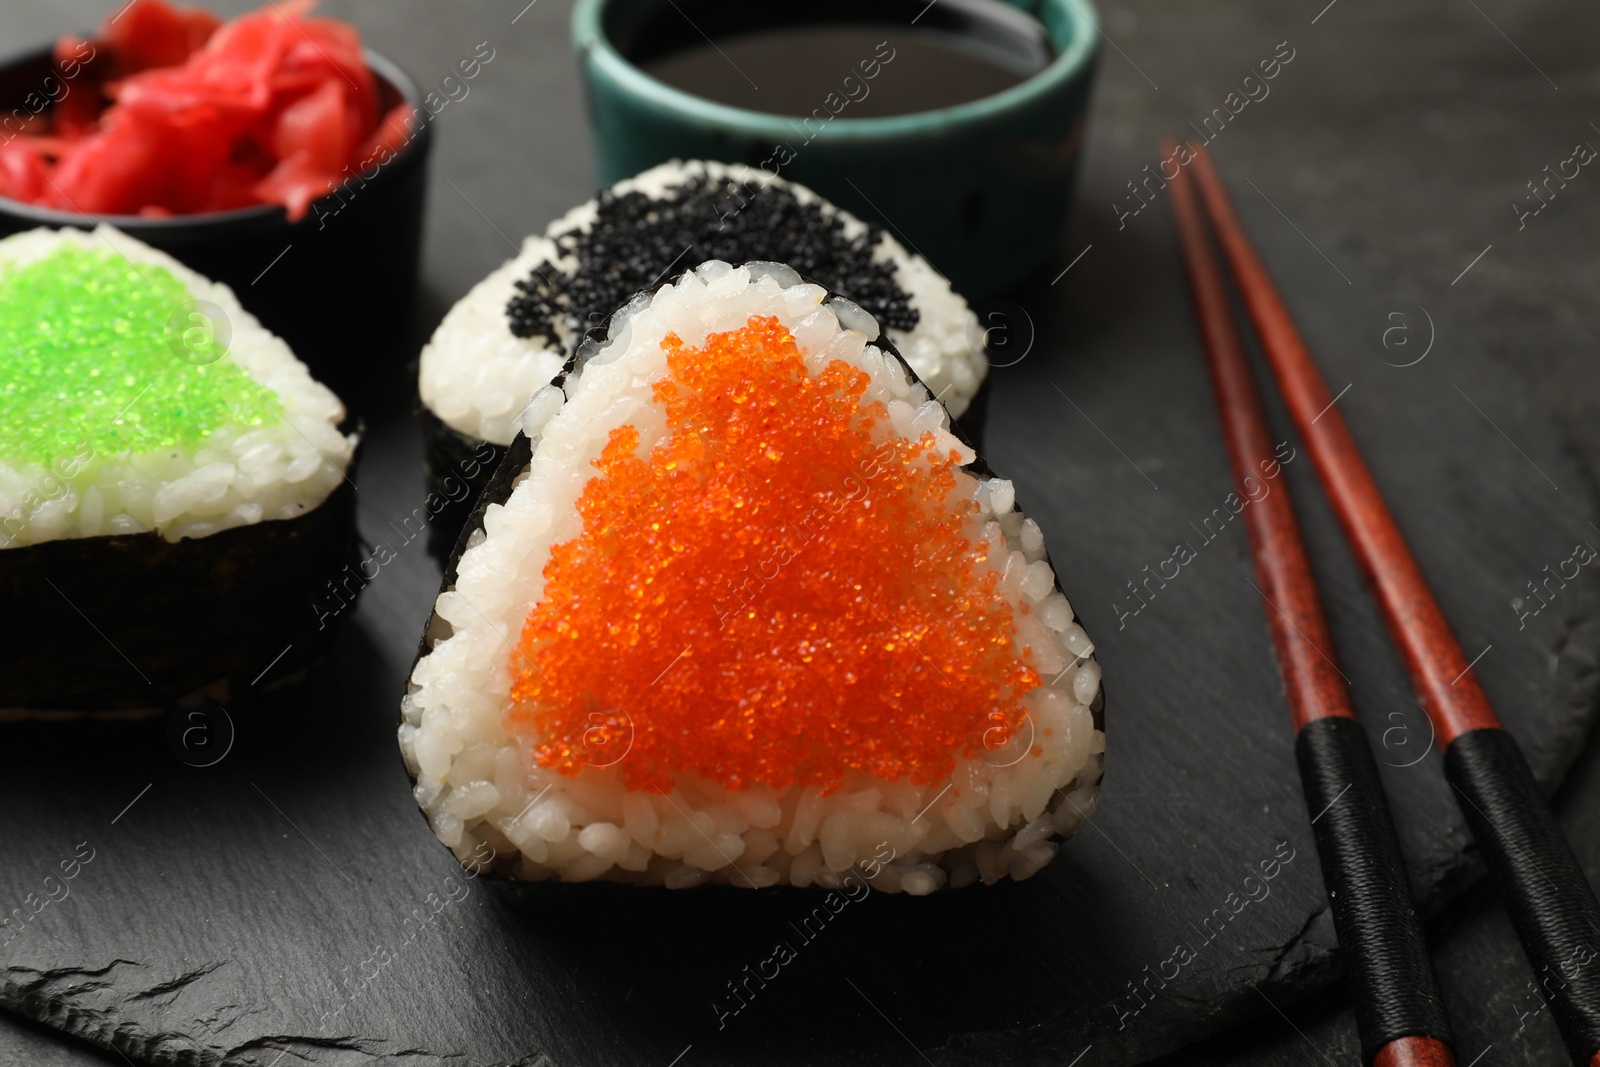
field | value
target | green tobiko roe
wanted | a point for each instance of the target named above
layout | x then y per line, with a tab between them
100	356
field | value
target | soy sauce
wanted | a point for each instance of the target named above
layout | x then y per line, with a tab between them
861	59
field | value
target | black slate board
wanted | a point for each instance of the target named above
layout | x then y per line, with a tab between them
223	908
1483	977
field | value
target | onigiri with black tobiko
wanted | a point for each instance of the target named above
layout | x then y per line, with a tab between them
511	334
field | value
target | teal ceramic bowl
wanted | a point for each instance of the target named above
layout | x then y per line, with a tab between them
981	189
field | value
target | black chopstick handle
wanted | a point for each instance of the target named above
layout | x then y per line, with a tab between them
1385	956
1538	878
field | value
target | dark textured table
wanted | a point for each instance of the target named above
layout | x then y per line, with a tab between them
1378	177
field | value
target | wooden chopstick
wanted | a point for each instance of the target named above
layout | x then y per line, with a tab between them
1399	1012
1549	900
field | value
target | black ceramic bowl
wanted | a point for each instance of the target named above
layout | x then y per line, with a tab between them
337	285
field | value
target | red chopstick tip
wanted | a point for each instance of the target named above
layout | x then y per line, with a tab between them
1416	1052
1433	658
1315	685
1179	153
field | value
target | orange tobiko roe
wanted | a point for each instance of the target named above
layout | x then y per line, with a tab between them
780	590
